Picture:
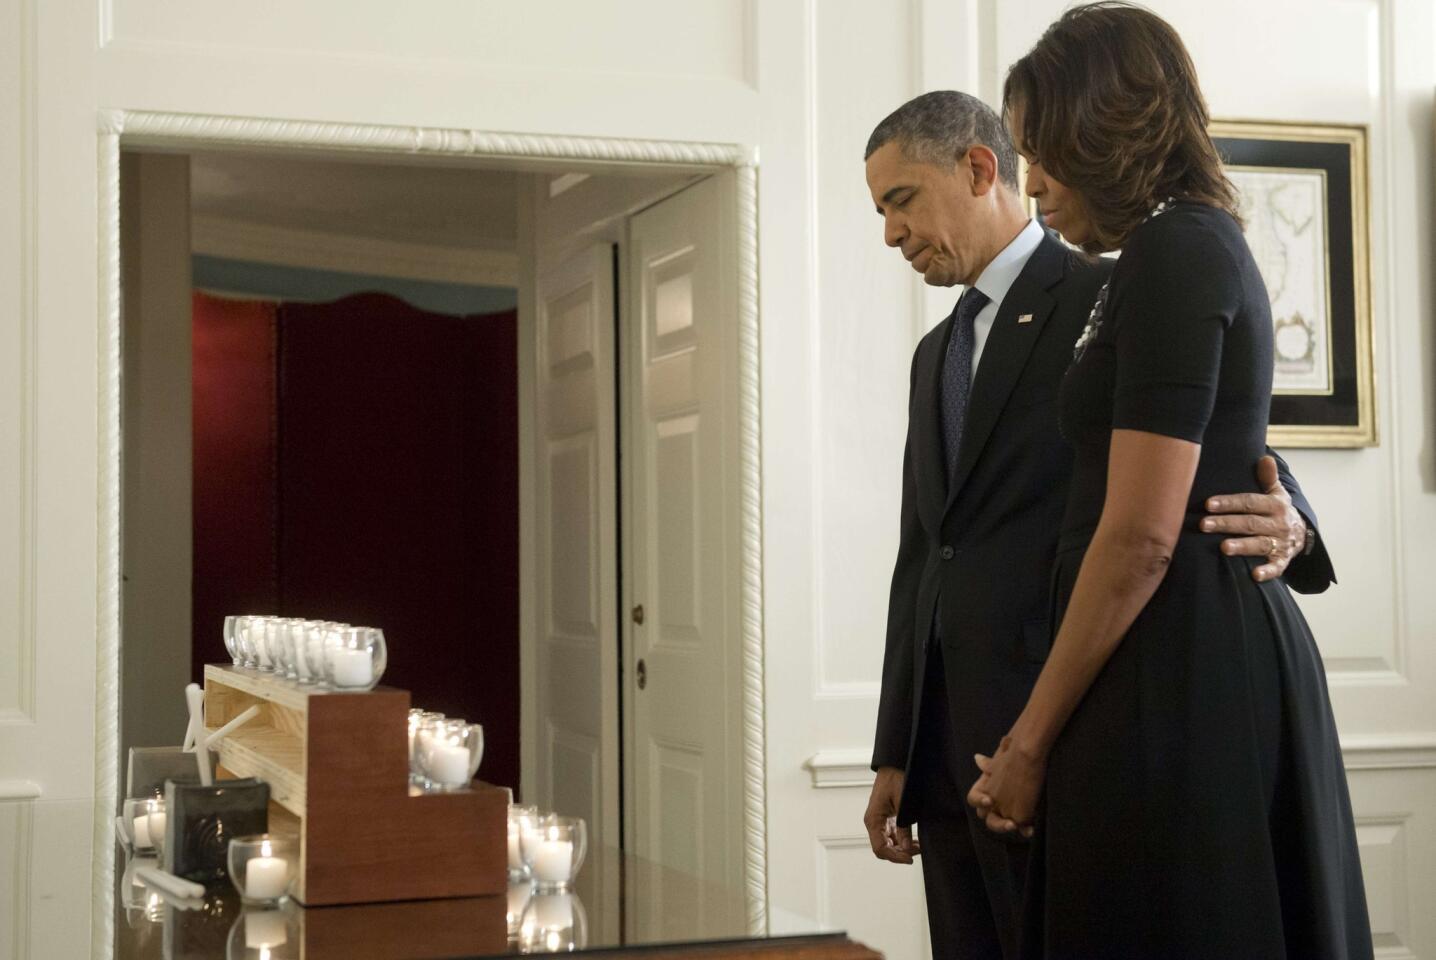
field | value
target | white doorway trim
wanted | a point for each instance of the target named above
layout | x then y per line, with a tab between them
191	132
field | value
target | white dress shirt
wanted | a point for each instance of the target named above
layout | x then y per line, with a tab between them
997	279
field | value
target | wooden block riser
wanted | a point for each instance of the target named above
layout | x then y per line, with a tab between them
337	765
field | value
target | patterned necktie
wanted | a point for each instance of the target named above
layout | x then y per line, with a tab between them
957	374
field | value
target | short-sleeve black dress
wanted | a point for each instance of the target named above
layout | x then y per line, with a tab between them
1196	804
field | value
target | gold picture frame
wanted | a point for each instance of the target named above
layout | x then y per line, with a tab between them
1304	195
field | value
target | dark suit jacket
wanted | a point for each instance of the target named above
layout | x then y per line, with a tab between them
983	545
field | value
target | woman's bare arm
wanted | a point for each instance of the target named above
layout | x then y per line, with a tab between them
1149	478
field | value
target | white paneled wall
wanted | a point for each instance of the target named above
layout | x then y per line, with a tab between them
803	81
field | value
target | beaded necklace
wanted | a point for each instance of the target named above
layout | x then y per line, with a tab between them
1094	319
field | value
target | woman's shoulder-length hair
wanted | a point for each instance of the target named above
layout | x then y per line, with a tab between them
1110	105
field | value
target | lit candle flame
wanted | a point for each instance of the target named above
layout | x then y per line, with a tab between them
265	850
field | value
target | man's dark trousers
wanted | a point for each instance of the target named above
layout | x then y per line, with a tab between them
970	875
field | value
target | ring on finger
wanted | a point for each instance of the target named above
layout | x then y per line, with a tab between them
1271	542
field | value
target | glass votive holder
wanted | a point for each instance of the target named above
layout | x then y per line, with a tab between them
262	934
520	892
355	658
136	816
554	852
290	634
231	641
156	822
522	820
450	752
134	895
143	906
417	717
553	923
318	638
247	630
262	866
266	644
307	666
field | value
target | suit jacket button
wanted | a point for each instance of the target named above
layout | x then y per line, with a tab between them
945	552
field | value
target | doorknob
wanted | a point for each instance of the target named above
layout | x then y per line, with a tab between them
638	614
642	674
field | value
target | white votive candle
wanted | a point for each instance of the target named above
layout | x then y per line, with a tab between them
266	878
353	668
516	858
553	861
449	764
155	823
140	827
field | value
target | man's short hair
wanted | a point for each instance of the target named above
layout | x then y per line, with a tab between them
939	127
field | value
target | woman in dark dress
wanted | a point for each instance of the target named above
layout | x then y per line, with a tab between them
1180	738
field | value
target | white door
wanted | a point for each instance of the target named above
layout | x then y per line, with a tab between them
683	763
575	564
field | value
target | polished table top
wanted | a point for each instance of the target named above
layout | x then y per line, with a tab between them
663	907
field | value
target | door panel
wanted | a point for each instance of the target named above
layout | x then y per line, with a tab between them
576	562
679	458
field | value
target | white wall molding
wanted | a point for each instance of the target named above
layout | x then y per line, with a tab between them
19	790
1416	751
107	629
191	132
840	768
349	253
142	128
826	846
17	702
750	520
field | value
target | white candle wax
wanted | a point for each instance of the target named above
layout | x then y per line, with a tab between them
140	828
265	878
449	764
264	928
156	827
516	858
553	861
553	911
353	668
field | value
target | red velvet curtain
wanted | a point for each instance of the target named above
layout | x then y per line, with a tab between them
236	562
395	501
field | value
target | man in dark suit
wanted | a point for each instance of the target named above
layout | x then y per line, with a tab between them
985	475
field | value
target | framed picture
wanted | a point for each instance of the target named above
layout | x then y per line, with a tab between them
1303	197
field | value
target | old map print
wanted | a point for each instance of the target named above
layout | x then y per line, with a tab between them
1285	215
